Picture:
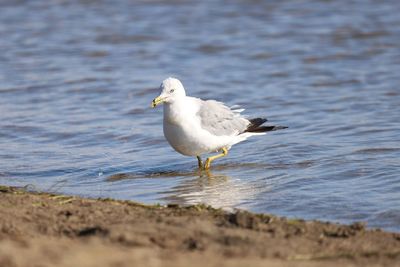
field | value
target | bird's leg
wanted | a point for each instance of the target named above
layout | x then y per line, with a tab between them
200	162
210	159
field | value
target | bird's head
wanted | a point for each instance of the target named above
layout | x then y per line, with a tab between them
171	89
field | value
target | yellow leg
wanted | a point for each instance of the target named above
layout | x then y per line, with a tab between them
200	162
210	159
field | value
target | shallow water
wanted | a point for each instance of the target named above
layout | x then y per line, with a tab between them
77	78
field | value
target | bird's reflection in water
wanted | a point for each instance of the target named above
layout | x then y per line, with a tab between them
212	187
215	189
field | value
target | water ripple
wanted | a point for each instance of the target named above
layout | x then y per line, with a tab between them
77	78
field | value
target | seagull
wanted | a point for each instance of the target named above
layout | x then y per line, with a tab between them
194	127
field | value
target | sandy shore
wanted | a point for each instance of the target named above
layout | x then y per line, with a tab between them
51	230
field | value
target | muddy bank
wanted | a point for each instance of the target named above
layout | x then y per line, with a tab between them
51	230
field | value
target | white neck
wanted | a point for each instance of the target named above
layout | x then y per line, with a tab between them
173	110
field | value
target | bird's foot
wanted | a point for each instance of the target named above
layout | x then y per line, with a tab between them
207	165
200	162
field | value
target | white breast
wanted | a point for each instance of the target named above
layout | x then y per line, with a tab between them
178	128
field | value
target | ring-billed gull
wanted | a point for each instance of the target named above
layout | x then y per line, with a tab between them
194	127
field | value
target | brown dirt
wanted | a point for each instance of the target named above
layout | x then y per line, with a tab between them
39	229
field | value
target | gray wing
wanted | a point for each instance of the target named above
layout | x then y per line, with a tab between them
219	119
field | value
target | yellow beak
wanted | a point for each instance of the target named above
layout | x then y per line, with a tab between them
156	101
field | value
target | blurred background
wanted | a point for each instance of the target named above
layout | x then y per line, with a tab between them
77	79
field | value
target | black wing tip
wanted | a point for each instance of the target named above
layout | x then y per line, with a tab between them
258	121
256	126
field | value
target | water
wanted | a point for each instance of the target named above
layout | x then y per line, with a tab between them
77	78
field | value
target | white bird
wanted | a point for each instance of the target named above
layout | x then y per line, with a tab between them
194	127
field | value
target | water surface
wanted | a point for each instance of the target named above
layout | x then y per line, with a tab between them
77	78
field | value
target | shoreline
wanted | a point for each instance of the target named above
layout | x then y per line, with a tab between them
56	230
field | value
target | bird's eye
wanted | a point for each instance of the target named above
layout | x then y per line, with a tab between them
172	90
